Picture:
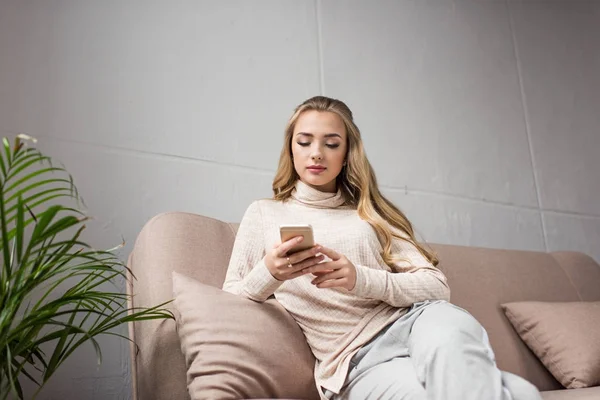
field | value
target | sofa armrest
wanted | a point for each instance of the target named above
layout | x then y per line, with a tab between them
193	245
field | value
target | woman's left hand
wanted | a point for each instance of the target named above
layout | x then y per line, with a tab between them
339	272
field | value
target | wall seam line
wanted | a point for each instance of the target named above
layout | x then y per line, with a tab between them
527	123
320	47
264	172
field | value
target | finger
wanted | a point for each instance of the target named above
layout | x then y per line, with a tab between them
321	273
334	255
288	244
340	282
332	275
327	266
309	262
304	254
298	273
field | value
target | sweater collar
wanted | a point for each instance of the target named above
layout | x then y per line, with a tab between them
310	196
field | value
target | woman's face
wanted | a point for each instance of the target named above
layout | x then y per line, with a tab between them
319	148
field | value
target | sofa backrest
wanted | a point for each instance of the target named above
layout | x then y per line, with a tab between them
480	280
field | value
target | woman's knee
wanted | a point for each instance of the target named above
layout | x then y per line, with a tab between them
443	323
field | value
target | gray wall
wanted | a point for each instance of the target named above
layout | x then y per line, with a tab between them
481	118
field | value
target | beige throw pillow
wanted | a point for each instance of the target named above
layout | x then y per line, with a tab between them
564	336
236	348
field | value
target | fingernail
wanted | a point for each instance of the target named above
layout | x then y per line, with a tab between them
300	238
319	248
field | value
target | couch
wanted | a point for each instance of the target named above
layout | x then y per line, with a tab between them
481	279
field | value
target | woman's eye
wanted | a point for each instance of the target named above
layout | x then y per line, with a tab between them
331	146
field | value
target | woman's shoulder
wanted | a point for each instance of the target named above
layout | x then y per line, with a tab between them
262	204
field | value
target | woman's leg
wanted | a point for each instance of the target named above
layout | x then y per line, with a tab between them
382	367
454	360
392	380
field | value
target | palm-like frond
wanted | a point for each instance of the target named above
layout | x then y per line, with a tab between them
50	282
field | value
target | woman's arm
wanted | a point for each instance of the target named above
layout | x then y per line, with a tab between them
247	274
410	281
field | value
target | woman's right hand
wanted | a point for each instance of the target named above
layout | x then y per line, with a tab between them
284	267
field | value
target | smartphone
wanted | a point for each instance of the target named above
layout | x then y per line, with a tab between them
289	231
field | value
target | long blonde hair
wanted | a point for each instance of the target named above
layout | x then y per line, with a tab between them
357	181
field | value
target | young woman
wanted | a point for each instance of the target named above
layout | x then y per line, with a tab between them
373	306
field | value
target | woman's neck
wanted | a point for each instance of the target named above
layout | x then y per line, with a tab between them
313	197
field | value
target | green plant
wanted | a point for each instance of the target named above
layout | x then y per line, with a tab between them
51	297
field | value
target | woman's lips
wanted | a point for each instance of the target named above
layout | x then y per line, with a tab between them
316	170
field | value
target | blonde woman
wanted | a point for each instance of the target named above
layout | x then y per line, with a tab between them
373	306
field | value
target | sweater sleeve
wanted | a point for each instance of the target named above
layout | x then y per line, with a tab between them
411	280
247	275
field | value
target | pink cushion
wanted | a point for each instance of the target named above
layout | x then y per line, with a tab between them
565	336
236	348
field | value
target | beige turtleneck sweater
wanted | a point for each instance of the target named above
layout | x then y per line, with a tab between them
335	321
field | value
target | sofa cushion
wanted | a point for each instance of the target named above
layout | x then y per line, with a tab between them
236	348
565	336
592	393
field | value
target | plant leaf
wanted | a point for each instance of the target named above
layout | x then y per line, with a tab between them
19	229
43	255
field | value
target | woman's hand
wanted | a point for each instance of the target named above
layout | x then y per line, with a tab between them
284	267
339	272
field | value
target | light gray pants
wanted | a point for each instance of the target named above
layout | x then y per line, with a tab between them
437	351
